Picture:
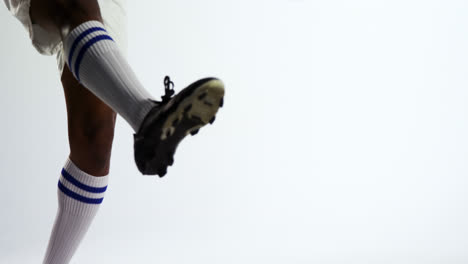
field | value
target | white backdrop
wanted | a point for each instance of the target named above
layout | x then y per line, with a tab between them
344	137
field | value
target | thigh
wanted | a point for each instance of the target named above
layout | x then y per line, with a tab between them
90	127
60	16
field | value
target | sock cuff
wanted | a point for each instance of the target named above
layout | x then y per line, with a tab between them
79	192
90	37
80	32
84	26
83	177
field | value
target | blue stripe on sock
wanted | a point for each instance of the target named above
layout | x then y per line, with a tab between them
78	39
82	186
83	51
78	197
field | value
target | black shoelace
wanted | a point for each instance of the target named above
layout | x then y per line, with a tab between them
168	91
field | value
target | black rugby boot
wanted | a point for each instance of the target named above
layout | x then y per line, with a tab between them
172	119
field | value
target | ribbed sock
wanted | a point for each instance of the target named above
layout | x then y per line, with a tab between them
96	62
79	197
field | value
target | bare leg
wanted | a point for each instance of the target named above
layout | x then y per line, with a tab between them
90	127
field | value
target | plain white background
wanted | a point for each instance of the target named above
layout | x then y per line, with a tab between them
344	137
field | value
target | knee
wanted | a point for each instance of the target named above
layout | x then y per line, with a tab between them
99	133
91	142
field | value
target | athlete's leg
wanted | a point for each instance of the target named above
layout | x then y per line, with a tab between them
95	61
90	129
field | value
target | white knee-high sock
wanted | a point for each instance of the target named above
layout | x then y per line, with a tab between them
79	197
95	60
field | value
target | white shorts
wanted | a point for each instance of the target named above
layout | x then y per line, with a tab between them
112	12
